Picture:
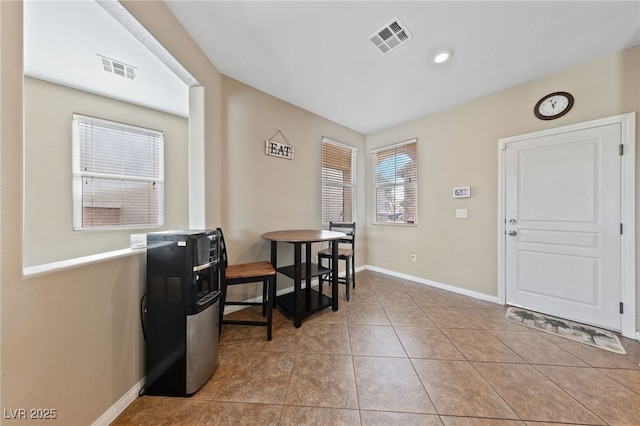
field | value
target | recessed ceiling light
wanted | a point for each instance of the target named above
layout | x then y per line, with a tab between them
442	56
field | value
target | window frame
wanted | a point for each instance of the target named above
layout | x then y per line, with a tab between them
325	183
388	150
154	177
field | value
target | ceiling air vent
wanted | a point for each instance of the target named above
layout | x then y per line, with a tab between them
118	68
106	64
389	36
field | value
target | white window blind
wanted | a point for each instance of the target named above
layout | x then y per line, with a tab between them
396	183
338	181
118	175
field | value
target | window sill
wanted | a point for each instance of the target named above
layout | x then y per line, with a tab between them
49	268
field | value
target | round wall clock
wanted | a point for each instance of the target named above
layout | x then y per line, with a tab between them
553	105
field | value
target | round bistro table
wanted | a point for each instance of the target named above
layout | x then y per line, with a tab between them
303	302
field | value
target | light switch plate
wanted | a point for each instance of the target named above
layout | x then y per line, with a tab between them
461	213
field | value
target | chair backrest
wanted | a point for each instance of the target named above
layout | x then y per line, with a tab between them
348	228
224	262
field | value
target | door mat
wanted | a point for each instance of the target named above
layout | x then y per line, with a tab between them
582	333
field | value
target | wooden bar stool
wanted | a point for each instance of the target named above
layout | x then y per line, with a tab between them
246	273
346	252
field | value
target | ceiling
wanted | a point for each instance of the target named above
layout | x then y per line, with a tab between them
65	42
316	54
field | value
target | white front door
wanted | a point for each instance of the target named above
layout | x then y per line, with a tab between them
562	225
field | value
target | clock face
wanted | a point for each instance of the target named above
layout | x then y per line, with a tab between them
553	106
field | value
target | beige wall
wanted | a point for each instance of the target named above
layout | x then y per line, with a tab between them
459	147
264	193
48	218
71	340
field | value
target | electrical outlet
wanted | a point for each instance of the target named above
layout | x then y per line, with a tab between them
413	257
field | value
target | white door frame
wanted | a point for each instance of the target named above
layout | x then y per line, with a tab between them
627	210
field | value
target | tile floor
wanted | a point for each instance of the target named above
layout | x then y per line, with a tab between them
401	353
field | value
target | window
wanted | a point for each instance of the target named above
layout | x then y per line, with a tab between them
396	183
338	181
118	175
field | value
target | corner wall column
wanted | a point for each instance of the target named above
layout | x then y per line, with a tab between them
196	158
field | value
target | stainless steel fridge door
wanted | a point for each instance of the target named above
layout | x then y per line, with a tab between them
202	346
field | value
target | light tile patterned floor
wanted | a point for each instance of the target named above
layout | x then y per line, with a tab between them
401	353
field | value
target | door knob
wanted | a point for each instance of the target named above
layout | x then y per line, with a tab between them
513	233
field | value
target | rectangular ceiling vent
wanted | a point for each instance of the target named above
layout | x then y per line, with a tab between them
118	68
390	36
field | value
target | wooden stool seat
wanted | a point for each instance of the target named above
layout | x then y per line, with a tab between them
342	252
247	270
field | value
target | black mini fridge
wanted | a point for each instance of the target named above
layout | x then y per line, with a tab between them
182	306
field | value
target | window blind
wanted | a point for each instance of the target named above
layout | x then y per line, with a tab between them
396	183
118	175
338	181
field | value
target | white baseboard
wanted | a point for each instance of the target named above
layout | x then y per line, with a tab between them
112	413
453	289
475	294
118	408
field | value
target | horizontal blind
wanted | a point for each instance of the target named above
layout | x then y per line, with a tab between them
338	182
118	173
396	181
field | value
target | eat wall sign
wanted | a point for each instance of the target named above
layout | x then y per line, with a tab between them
277	149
